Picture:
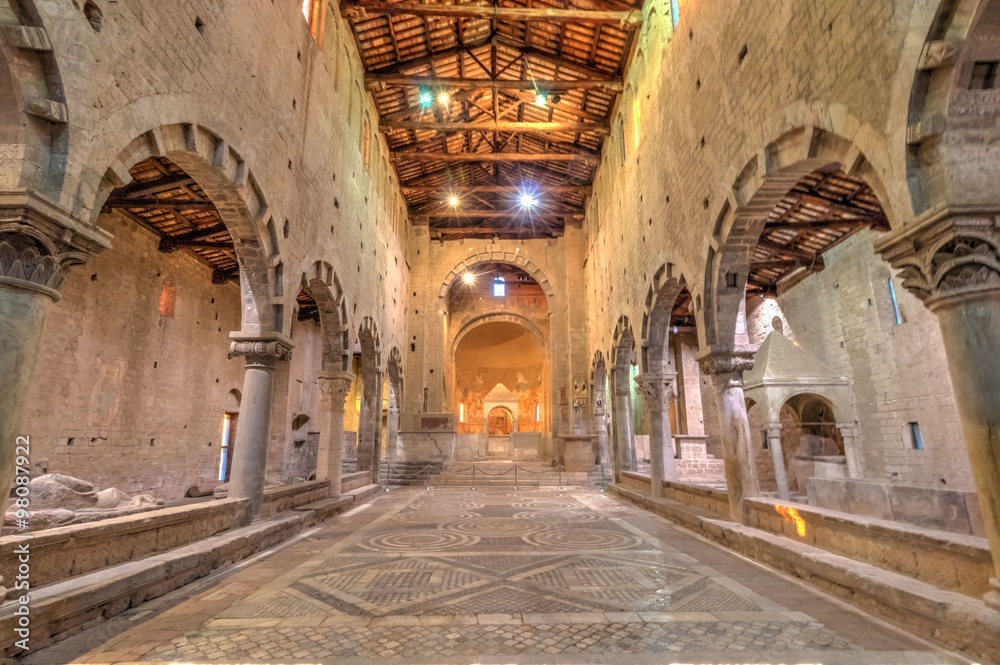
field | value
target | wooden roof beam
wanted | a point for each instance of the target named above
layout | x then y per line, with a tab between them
377	82
521	215
495	157
501	126
359	9
153	202
492	189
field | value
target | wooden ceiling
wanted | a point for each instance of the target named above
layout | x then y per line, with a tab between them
530	88
822	210
168	202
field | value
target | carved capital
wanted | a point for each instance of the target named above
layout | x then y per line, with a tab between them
774	431
334	386
39	240
729	364
261	351
946	258
657	389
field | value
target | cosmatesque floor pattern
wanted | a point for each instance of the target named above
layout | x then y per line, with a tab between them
459	576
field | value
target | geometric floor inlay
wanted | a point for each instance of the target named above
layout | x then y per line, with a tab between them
449	576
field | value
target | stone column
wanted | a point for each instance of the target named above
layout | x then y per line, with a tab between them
370	425
38	241
262	352
849	435
623	425
658	389
780	475
726	369
952	263
392	426
333	389
601	427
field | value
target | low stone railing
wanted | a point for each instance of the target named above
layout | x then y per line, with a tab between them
956	562
713	501
68	551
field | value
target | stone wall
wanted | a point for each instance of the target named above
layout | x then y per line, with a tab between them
844	316
123	397
285	115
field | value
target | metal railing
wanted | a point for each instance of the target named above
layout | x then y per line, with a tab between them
515	469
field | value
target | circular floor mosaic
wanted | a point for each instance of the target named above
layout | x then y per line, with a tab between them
432	516
495	527
582	539
547	504
560	516
422	540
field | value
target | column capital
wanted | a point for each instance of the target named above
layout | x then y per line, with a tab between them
335	384
657	388
774	430
39	240
726	364
947	255
261	350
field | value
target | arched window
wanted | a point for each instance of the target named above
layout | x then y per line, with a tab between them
312	10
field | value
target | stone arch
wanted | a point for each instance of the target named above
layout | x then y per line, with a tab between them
324	284
623	351
371	346
666	285
758	188
504	317
227	181
370	425
488	255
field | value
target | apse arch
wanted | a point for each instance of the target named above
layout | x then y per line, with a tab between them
495	317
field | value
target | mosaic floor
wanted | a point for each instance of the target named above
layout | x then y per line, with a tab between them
457	576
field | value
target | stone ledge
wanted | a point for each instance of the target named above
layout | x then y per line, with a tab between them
71	604
950	618
288	497
945	560
708	499
352	481
82	548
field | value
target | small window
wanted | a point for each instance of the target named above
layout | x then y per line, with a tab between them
538	413
168	298
763	436
312	10
461	412
499	287
895	303
620	135
984	75
916	440
675	12
366	143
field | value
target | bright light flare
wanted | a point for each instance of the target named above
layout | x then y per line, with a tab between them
453	201
527	200
469	278
443	99
541	99
793	515
426	98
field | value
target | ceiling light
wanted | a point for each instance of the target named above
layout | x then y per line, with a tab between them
443	99
425	98
453	201
528	200
469	278
541	99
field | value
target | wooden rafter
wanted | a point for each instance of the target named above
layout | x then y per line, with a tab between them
360	9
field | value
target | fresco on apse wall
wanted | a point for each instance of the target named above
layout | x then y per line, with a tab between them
500	353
